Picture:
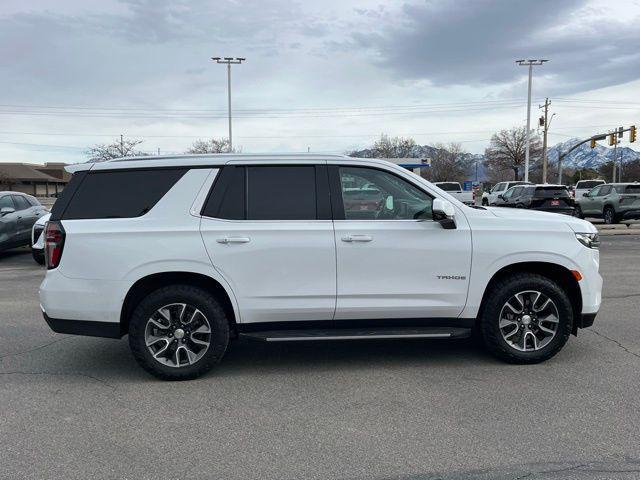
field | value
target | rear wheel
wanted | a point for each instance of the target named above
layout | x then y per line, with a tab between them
178	332
485	202
609	215
527	320
38	255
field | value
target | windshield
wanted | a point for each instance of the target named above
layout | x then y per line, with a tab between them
551	192
589	184
449	186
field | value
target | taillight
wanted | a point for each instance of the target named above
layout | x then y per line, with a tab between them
53	243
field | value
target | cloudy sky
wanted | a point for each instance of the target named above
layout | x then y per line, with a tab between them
327	75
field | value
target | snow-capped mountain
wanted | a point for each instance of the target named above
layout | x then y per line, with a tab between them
586	157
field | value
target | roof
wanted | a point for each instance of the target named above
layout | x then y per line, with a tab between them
24	172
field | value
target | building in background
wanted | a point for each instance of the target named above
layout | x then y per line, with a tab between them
46	180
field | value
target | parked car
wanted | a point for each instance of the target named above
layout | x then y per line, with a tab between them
585	186
491	197
613	202
18	213
455	189
544	197
37	238
185	253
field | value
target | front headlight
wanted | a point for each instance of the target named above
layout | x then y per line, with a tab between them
589	240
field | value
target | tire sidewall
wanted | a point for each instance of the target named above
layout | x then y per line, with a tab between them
608	219
196	297
491	317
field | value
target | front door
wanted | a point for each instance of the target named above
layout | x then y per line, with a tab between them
269	233
590	204
393	260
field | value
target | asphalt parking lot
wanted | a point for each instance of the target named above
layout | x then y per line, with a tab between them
79	407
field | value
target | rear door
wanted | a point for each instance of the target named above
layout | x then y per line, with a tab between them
393	260
268	232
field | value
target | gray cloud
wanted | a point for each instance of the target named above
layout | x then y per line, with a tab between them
473	42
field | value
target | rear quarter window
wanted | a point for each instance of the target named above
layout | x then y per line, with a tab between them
551	192
119	193
588	184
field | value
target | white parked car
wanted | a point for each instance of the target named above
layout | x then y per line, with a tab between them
455	189
37	238
585	186
185	253
491	197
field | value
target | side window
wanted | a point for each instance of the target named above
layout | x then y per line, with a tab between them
370	194
227	199
499	187
605	190
595	192
6	202
509	193
21	203
120	193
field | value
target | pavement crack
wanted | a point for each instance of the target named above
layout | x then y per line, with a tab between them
99	380
39	347
592	330
560	470
622	296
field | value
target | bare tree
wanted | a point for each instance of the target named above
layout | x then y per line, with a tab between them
448	163
506	152
215	145
117	149
389	147
6	181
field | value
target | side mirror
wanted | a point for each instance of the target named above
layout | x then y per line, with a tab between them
444	213
501	197
6	211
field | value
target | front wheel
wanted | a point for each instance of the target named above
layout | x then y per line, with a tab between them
527	318
485	202
577	212
178	332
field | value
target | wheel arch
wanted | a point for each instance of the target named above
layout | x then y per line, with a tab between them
149	283
553	271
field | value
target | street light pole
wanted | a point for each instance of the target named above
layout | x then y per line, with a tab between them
530	64
229	61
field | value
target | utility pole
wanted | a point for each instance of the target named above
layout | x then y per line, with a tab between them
228	61
121	145
546	123
530	64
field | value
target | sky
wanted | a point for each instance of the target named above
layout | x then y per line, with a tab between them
322	76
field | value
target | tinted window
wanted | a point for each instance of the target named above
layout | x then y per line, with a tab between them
551	192
588	184
120	194
517	192
632	189
227	199
370	194
21	202
281	193
6	202
449	186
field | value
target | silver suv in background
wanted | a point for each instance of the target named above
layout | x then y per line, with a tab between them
18	213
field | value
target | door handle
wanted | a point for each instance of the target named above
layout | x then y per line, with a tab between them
226	240
357	238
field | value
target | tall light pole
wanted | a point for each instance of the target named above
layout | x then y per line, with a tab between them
530	64
229	61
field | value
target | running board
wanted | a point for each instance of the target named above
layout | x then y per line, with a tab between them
356	334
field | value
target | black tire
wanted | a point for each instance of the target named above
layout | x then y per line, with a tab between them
38	255
609	215
196	297
485	202
577	212
500	293
519	205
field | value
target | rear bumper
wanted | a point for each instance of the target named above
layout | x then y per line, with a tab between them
83	327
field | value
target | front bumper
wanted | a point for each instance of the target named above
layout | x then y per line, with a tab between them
631	215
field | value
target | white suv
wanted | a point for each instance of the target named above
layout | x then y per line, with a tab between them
184	253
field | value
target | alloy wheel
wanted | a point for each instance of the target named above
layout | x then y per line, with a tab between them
529	320
177	335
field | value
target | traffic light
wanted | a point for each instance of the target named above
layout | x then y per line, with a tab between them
612	139
632	134
593	143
